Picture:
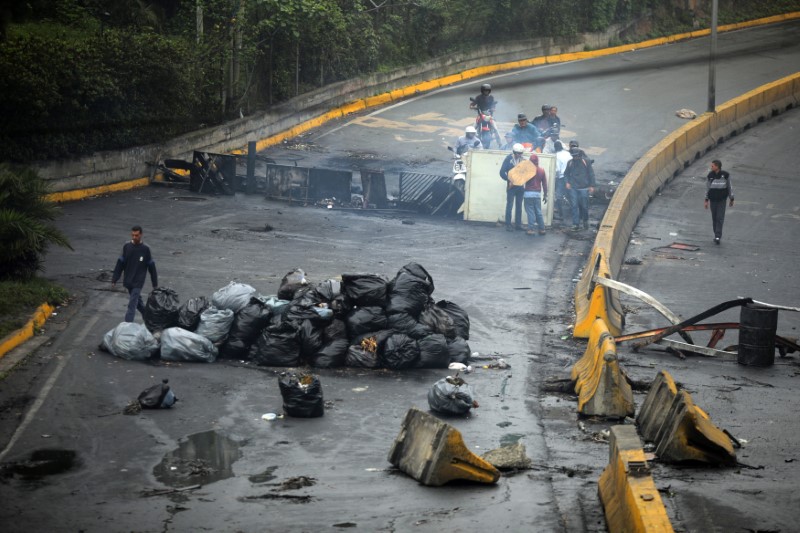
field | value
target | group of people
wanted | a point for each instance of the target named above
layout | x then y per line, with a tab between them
527	184
533	133
526	180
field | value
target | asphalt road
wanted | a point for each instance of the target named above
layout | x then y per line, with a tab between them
65	396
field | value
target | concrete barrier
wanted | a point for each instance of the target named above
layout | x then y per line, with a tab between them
593	301
27	331
630	498
681	431
599	383
657	167
85	175
433	452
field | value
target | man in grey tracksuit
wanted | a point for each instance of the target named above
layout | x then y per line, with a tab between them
718	192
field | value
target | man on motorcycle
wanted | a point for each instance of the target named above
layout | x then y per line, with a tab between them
554	121
525	132
485	100
542	121
468	141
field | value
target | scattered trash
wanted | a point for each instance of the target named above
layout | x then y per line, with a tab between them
158	396
360	389
461	367
302	395
633	261
269	416
685	113
499	364
451	395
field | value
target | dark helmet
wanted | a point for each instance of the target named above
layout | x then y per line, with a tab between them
486	87
546	108
574	143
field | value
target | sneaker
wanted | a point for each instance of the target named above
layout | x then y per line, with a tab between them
716	240
576	227
519	228
509	228
530	232
542	232
585	224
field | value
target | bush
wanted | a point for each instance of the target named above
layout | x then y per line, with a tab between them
24	229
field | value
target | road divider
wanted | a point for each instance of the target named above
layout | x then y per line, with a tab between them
680	430
433	452
629	495
601	386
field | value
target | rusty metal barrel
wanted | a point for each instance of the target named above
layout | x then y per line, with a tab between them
757	327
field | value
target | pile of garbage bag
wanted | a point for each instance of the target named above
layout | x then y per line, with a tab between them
364	320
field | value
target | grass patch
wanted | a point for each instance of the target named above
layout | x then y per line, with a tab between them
19	299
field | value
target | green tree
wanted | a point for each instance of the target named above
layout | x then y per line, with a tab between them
25	223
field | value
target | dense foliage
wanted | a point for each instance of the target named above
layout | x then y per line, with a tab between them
25	223
87	75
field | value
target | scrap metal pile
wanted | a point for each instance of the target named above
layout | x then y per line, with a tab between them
364	320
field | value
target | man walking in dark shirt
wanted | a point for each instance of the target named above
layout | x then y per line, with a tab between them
718	191
135	261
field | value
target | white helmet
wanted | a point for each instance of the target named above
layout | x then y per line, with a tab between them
470	129
517	148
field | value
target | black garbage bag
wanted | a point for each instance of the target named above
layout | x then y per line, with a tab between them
433	352
400	351
366	350
331	354
298	312
328	292
233	296
291	282
278	308
405	323
365	319
409	290
246	326
459	317
158	396
458	351
337	329
277	346
310	337
161	310
215	324
364	290
302	395
189	312
451	396
438	320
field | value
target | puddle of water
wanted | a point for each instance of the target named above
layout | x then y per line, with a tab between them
510	438
264	476
47	462
201	458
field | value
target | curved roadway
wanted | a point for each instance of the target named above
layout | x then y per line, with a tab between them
66	396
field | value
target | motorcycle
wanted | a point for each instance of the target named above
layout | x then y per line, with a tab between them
459	177
487	129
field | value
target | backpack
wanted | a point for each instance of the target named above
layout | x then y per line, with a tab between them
157	397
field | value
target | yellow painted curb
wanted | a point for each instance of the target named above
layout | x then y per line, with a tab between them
27	331
80	194
398	94
629	495
601	387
